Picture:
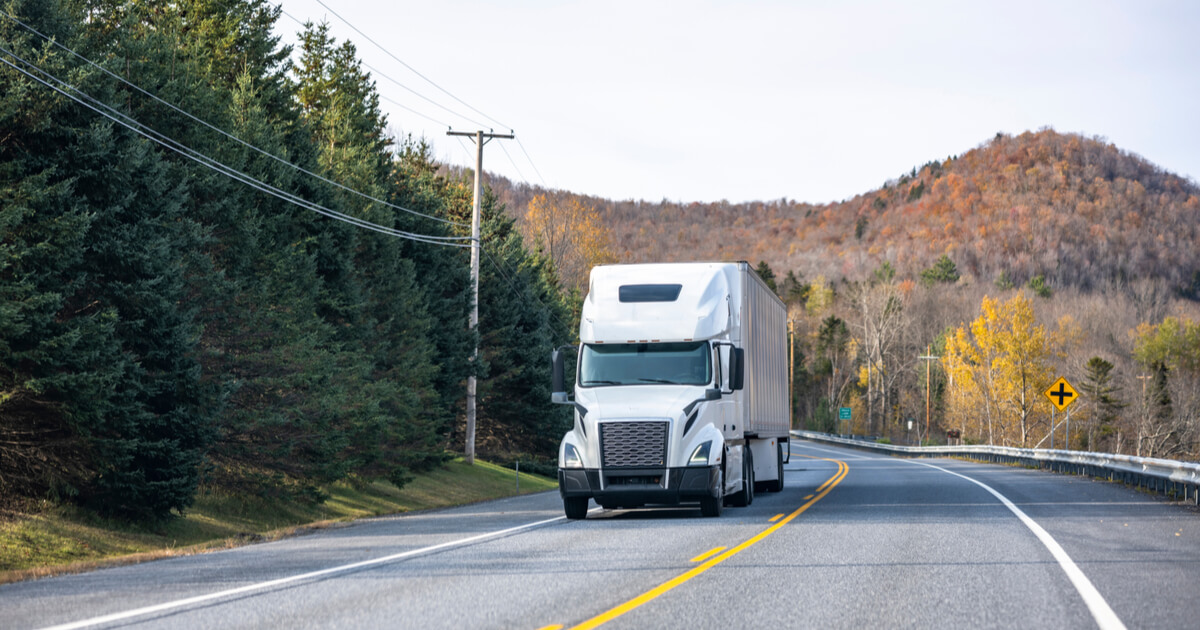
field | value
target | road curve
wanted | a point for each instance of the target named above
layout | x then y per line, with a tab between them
854	540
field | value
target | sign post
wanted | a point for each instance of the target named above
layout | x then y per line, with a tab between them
1061	395
844	414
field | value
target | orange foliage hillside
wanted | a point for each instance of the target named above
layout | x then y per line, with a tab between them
1077	210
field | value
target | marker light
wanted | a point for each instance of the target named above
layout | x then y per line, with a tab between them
571	458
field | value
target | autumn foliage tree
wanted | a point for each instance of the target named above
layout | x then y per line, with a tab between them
1004	362
572	234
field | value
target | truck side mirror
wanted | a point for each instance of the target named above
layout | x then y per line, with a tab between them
737	369
558	390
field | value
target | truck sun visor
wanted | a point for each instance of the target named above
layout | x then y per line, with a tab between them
649	292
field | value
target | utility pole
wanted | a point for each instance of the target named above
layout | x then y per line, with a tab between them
481	139
927	358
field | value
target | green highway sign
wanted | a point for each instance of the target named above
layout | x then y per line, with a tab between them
843	413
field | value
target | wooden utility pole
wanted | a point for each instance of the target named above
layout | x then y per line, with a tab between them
927	358
481	139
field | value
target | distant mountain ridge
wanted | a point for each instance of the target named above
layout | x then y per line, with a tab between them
1077	210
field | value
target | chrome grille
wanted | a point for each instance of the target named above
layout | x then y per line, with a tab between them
633	444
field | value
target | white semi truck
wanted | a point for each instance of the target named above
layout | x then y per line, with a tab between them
681	391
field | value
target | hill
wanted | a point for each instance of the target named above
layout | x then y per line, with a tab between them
1077	210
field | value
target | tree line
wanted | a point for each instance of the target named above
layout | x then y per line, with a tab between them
916	360
165	325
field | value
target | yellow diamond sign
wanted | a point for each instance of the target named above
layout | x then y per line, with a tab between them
1061	394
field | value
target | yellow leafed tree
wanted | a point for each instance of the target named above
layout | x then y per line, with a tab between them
998	370
571	234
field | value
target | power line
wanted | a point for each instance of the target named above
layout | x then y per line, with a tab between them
422	96
413	111
535	168
517	291
133	125
411	69
219	130
402	86
510	161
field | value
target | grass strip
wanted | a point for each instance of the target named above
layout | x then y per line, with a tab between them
66	539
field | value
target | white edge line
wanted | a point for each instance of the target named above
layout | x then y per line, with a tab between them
1101	612
295	578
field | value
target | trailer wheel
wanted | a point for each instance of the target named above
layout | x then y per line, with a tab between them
711	506
575	507
777	485
749	476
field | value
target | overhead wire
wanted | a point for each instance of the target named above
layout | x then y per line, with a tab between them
431	82
516	291
222	131
375	70
535	168
133	125
495	263
510	161
153	135
410	68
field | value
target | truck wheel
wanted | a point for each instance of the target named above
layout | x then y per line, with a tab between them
711	506
575	507
746	495
777	485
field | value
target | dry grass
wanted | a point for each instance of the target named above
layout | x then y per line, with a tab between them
64	539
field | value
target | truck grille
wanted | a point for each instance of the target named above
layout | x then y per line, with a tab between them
633	444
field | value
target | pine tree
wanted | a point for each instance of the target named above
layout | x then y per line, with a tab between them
1103	398
942	271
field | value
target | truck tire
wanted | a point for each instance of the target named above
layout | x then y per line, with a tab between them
711	506
575	507
777	485
745	496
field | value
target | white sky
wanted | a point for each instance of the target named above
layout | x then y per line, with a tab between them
813	101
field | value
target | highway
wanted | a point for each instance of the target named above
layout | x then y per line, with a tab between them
854	540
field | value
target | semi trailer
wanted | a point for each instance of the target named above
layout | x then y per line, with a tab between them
680	389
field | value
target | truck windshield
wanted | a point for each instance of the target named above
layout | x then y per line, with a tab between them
645	363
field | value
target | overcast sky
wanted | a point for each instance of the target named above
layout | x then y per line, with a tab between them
812	101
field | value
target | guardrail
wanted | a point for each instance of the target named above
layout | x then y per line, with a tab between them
1169	477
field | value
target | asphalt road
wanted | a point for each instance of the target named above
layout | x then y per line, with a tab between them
860	541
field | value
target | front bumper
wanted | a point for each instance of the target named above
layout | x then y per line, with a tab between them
635	487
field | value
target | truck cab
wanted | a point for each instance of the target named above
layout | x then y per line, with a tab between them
664	389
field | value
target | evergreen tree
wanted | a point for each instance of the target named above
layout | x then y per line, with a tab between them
1102	396
132	397
944	271
764	271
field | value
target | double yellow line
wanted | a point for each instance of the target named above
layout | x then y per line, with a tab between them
663	588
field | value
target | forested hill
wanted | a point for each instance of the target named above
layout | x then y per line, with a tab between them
1077	210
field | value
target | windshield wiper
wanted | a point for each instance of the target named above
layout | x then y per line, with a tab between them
600	383
659	380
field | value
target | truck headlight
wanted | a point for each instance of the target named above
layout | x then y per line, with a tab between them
571	458
700	455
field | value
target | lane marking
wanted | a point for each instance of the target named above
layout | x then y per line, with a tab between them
777	516
665	587
179	603
557	626
1101	612
808	497
708	554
